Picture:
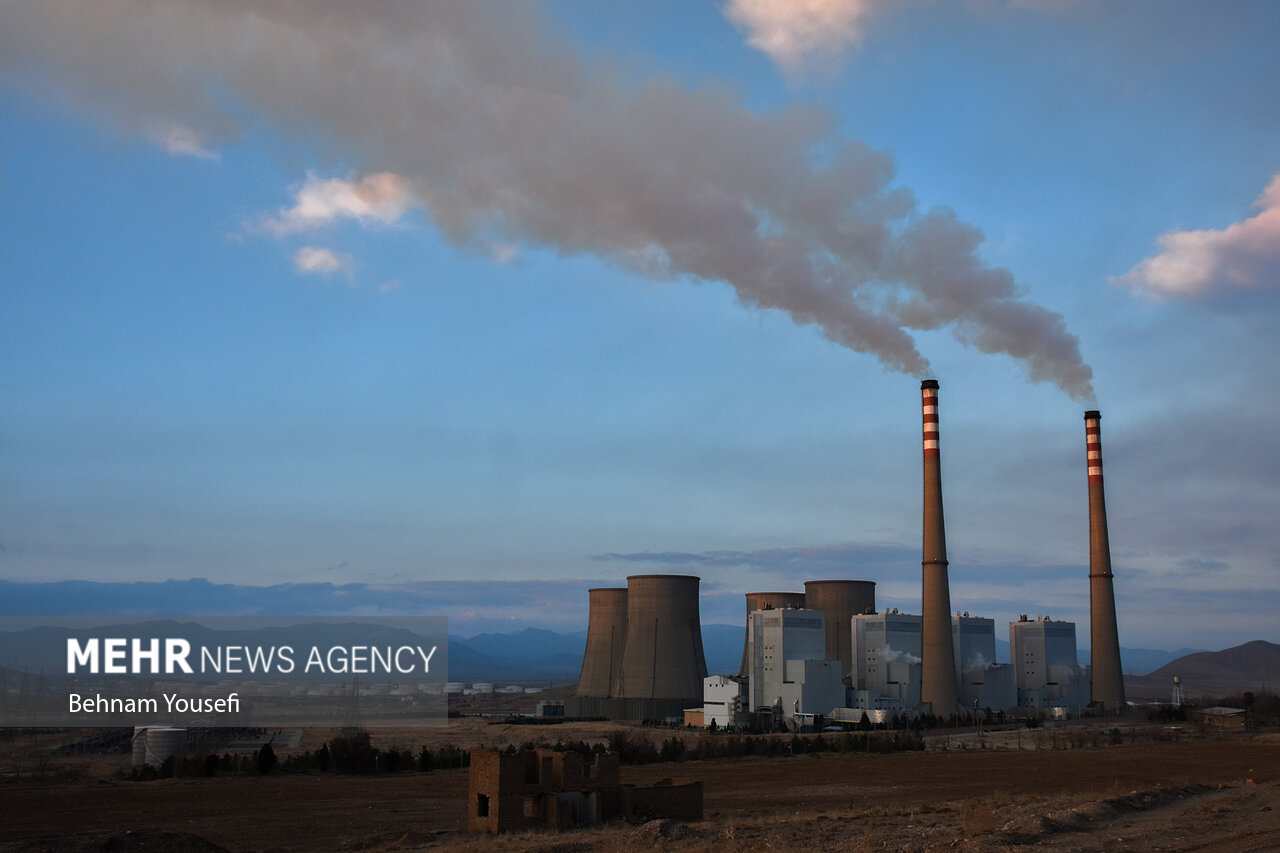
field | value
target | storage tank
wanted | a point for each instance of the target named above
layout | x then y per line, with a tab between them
839	600
663	657
767	601
159	743
606	641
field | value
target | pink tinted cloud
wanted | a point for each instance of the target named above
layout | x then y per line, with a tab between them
1245	254
382	197
316	260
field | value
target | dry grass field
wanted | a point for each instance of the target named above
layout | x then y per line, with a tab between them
1056	792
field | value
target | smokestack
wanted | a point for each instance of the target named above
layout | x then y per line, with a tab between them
1104	638
839	600
937	676
663	656
606	639
765	601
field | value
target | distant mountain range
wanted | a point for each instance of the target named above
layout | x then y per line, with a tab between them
1254	666
536	654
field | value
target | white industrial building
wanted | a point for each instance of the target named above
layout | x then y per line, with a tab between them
886	656
723	697
1044	660
886	660
789	673
983	682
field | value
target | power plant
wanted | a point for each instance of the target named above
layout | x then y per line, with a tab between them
1104	638
827	652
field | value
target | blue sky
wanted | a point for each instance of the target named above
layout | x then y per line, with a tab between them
520	298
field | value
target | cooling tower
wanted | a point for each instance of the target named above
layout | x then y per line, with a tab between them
937	668
662	658
839	601
767	601
1104	638
606	639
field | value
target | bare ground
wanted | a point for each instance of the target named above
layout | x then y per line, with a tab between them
1195	794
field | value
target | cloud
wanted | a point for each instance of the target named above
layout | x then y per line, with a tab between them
507	135
182	141
319	261
505	253
379	198
796	32
1196	263
807	562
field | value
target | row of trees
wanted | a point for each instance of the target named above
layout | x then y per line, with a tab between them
351	752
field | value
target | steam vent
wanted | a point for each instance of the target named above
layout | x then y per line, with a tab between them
606	638
1104	638
839	600
938	675
768	601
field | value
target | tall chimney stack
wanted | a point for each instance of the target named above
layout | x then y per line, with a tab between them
1104	638
938	674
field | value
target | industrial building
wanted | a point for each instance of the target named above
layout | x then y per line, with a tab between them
790	672
827	647
887	650
724	699
767	601
1044	663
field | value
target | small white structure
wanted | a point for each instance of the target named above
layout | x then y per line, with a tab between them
723	697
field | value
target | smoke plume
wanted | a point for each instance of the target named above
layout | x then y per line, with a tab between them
888	654
505	135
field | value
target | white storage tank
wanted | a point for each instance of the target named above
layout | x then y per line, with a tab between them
163	742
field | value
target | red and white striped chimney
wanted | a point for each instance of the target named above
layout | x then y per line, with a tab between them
1104	638
938	673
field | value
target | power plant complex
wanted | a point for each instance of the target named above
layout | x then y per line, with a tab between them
828	654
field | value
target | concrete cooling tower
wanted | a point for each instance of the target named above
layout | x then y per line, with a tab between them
839	600
937	675
1104	638
606	640
663	656
767	601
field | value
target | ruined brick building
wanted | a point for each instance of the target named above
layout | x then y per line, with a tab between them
561	790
